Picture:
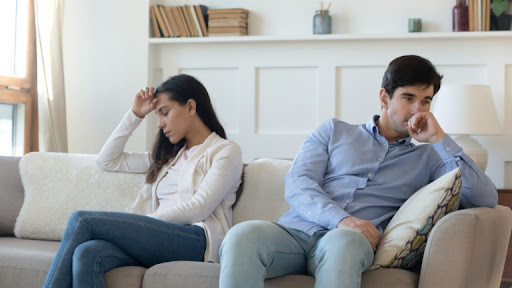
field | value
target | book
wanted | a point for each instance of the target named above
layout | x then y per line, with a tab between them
487	17
179	21
226	34
195	21
478	21
201	18
172	21
166	21
161	23
227	30
188	21
184	21
471	16
231	10
152	16
482	17
227	15
478	16
227	22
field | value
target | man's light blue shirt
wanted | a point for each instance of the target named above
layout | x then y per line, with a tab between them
351	170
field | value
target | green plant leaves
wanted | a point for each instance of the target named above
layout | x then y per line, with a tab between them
499	6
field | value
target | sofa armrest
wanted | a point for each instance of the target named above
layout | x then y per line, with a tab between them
467	248
11	193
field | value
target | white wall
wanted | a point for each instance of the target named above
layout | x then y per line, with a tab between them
295	17
106	52
107	59
270	94
105	63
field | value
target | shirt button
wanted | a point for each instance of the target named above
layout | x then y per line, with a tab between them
309	213
447	148
380	159
328	226
347	201
370	175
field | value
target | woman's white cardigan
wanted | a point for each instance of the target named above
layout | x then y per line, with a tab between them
207	186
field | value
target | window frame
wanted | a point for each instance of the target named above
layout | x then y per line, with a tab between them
17	90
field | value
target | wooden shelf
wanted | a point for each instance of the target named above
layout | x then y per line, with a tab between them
331	37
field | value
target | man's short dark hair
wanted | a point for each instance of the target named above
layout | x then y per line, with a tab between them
410	70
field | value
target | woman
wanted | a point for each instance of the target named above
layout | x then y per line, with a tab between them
192	177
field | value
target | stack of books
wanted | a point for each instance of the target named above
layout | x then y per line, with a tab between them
179	21
227	22
479	15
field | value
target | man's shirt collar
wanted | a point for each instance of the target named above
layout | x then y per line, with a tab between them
371	126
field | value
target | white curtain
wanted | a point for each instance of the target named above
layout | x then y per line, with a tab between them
49	15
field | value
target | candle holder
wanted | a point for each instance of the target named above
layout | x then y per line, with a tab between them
414	24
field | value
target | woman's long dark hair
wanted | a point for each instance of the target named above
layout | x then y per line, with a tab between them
181	88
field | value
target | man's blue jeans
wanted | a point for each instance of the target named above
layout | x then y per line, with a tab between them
95	242
255	250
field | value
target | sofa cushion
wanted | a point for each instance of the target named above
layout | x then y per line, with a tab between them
182	274
25	263
389	278
200	274
262	196
11	193
125	277
404	239
56	184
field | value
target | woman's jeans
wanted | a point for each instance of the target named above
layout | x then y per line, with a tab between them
95	242
255	250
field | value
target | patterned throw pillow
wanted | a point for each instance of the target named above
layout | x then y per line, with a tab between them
403	242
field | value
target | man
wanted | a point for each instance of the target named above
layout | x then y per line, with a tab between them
347	182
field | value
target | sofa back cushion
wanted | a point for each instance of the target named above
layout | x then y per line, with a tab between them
11	193
262	194
56	184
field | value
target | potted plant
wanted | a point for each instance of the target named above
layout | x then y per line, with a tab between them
500	17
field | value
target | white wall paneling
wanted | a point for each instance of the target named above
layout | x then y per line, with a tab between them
356	103
508	175
272	91
508	99
224	87
286	100
505	151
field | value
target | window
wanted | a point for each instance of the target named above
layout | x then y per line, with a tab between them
18	93
13	19
11	118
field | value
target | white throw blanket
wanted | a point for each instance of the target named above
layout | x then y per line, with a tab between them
56	184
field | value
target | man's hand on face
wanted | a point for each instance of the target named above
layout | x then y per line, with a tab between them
364	227
423	127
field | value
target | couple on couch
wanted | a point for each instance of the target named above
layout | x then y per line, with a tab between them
351	177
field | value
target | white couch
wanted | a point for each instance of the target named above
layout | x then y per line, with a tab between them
466	248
